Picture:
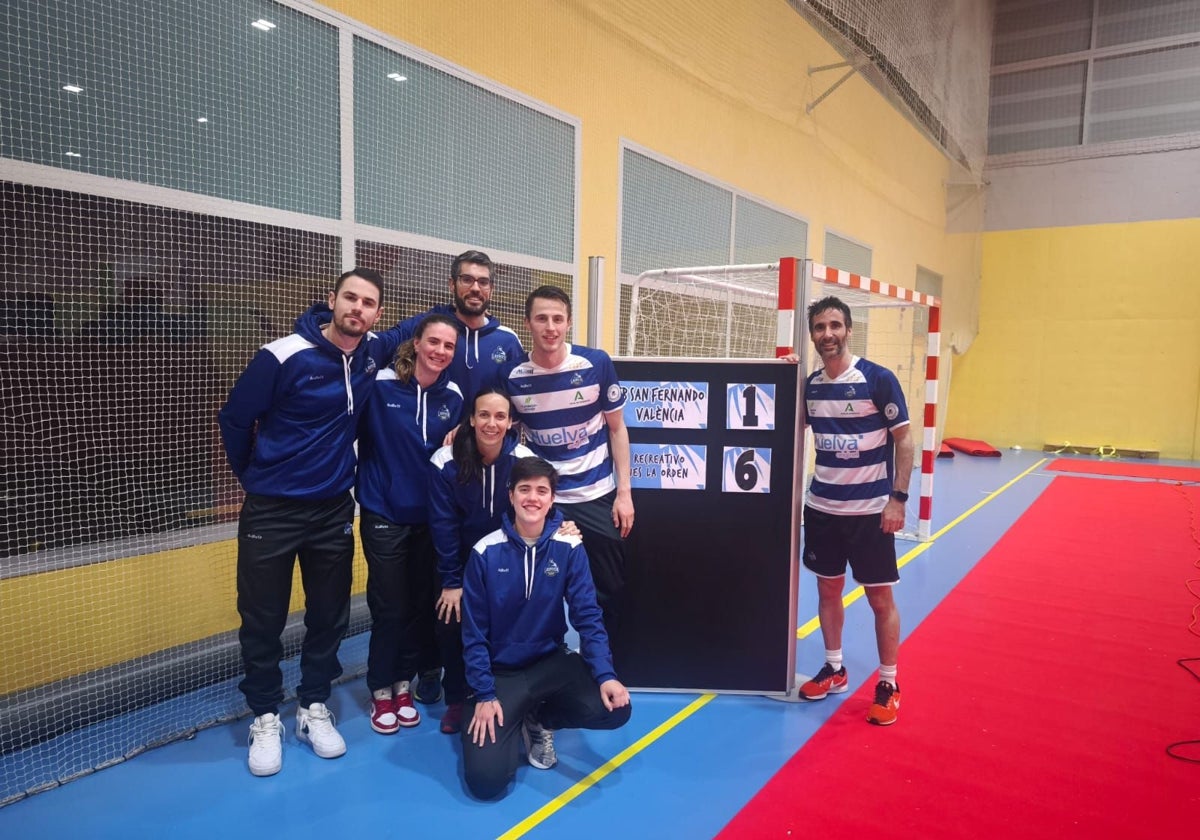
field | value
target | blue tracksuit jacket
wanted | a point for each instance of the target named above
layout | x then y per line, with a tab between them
289	424
512	604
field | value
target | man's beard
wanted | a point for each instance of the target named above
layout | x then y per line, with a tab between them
460	305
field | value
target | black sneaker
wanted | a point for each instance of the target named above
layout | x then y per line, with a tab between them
429	687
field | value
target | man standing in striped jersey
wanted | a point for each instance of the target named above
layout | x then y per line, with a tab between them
856	500
569	402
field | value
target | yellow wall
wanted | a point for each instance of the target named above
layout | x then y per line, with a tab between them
716	86
1089	335
64	623
719	87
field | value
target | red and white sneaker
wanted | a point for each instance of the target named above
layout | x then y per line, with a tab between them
406	713
826	682
887	704
383	712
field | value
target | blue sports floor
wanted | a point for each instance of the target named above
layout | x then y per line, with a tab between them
681	769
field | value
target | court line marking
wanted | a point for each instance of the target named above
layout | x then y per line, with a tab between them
553	806
563	799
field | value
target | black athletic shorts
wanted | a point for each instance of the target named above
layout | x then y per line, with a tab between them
830	542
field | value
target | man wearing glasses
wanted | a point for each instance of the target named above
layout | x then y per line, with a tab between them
484	346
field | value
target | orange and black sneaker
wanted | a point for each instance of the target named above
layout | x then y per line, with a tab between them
887	703
826	682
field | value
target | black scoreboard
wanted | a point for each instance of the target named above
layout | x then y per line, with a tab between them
710	597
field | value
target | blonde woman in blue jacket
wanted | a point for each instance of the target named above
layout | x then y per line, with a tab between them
415	405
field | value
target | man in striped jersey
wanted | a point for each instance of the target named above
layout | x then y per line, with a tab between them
569	402
856	499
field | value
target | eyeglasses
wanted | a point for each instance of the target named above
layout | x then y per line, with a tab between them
468	281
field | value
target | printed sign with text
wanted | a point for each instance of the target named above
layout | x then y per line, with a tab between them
666	405
665	466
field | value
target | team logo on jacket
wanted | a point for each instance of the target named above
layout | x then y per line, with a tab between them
499	356
850	391
551	569
370	365
349	529
444	413
576	379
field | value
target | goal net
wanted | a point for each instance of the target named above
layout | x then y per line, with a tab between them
712	312
758	311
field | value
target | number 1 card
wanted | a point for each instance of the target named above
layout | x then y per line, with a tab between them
749	406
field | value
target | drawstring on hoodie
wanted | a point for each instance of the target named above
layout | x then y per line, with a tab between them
349	388
467	352
530	564
486	499
422	415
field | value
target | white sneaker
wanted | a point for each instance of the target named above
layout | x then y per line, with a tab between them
315	725
266	745
539	744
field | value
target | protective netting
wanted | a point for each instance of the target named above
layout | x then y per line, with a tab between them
1077	79
170	200
724	312
929	56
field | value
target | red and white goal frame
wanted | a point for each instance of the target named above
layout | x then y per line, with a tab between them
904	309
736	311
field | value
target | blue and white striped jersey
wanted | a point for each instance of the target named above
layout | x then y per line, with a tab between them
850	418
562	410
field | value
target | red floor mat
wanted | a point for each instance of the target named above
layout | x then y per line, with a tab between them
1038	698
1132	469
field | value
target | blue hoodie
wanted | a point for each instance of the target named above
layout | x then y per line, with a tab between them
478	355
512	604
461	514
291	417
402	427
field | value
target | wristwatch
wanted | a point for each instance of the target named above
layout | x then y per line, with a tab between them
899	495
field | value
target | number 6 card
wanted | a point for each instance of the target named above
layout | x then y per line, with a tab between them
746	470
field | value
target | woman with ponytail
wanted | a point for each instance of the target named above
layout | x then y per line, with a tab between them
414	406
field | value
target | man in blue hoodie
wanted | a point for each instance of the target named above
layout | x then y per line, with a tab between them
524	682
484	346
288	428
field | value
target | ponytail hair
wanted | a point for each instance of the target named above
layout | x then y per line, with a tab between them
467	457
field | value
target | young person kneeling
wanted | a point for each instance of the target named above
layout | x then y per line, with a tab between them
525	683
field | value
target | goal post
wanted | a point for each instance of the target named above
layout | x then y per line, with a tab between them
759	311
900	329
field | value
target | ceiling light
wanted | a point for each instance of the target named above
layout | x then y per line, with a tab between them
201	119
73	154
396	77
263	24
72	88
